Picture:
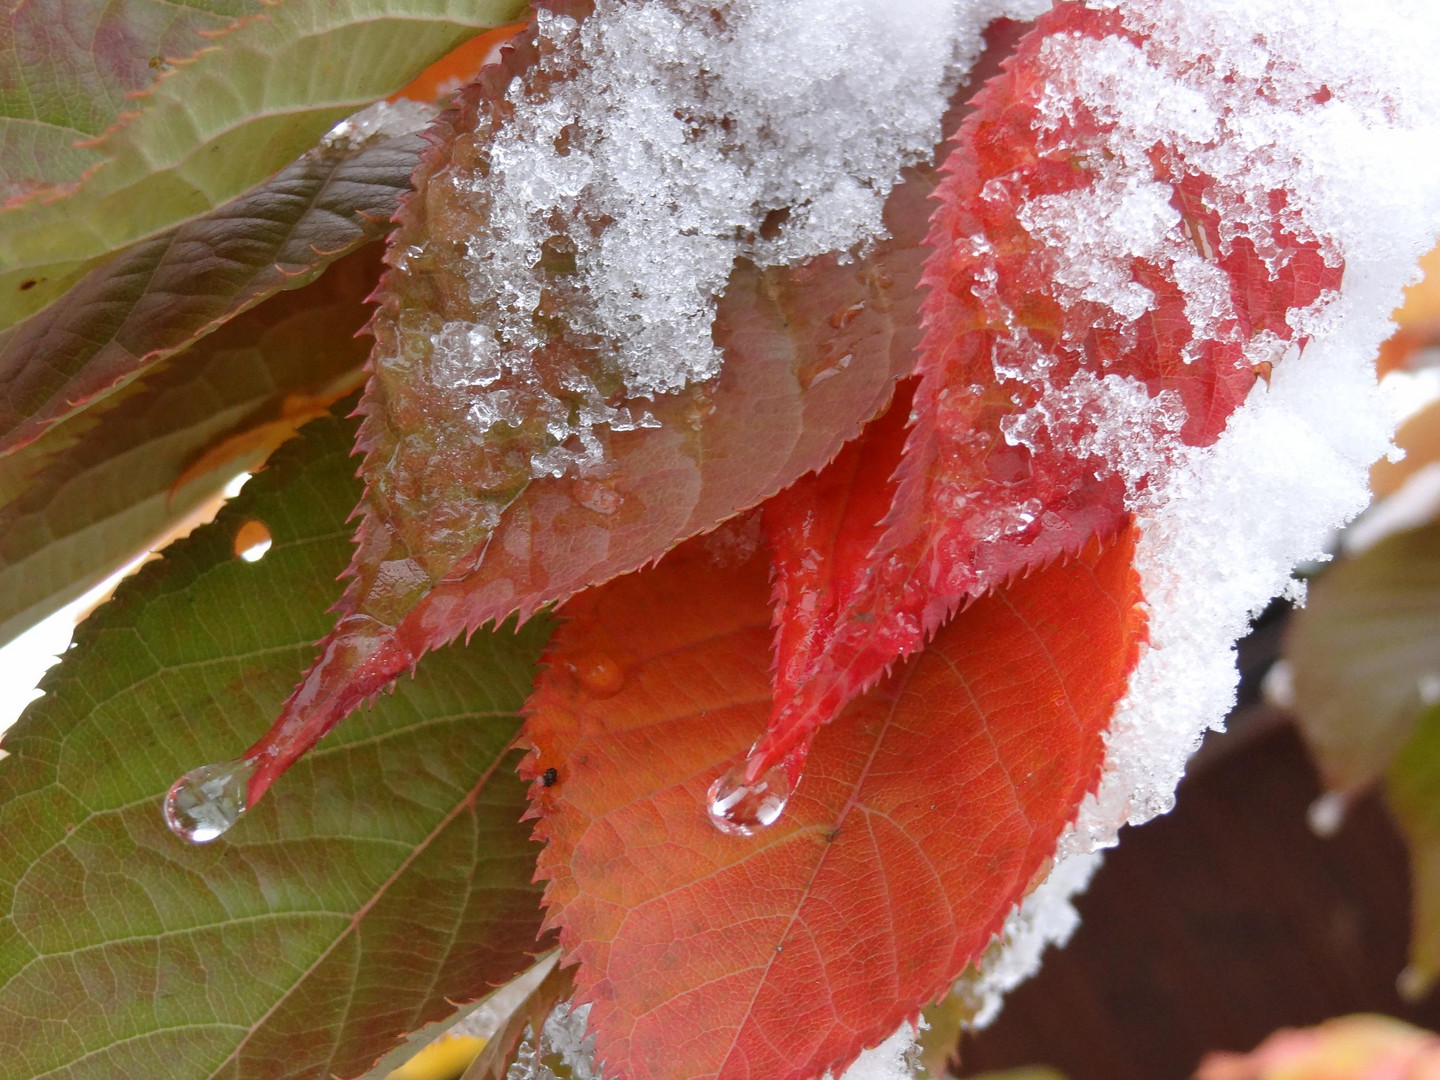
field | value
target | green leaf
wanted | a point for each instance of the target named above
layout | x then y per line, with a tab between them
388	872
95	491
1412	790
163	294
223	122
56	91
1365	654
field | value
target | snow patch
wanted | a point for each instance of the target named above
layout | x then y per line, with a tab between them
1332	102
621	190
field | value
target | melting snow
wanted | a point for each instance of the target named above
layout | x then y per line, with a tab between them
1334	102
694	134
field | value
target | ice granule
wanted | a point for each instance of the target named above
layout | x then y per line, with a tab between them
1332	102
688	135
383	119
897	1058
561	1037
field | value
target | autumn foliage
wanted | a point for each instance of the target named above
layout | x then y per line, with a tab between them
840	632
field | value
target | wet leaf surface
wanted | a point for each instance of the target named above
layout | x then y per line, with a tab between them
155	299
103	486
386	875
926	811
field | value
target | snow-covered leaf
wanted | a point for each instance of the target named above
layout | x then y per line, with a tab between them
515	450
158	297
100	488
386	876
928	808
251	100
1067	362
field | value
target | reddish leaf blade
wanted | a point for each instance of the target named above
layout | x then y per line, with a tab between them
458	533
1060	372
821	531
927	809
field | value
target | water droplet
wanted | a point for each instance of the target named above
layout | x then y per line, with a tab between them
1327	814
597	496
206	801
845	316
738	809
599	673
1278	685
252	541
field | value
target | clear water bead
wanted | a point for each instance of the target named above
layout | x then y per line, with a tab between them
738	809
206	801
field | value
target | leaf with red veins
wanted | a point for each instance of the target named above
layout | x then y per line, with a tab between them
1097	303
459	531
930	806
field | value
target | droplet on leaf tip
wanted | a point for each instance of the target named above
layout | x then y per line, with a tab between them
205	802
738	809
1327	814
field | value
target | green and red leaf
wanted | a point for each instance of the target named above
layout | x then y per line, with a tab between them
160	296
390	874
456	534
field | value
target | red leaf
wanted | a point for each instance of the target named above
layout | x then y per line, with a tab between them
928	809
1045	409
456	534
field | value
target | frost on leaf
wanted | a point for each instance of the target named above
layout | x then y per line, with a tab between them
1114	265
929	808
644	283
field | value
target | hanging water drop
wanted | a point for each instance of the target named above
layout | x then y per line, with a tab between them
206	801
738	809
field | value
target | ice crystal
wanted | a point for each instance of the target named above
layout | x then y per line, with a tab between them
649	147
1332	104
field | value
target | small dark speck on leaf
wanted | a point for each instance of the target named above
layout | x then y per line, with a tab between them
28	283
549	776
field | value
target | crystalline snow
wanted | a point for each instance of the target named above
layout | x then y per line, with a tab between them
384	119
563	1035
691	129
897	1058
1222	532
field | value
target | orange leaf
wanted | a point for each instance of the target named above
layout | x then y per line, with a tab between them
927	810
